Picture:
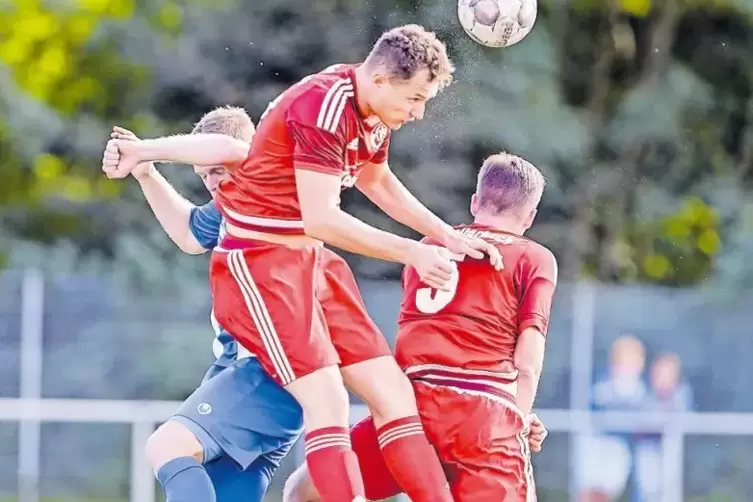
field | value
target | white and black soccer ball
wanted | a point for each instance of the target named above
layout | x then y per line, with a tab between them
497	23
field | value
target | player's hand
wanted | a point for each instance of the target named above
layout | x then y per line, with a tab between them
433	265
110	159
474	247
537	432
123	133
142	169
120	158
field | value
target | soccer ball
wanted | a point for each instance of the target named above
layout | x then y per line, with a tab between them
497	23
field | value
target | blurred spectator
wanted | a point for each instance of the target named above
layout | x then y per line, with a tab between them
603	461
668	392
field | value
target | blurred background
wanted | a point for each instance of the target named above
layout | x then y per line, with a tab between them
639	112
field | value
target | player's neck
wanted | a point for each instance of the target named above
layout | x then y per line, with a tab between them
504	223
361	84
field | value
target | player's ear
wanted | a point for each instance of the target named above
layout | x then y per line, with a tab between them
379	79
474	205
529	221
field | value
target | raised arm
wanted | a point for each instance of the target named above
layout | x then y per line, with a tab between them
180	219
193	149
171	209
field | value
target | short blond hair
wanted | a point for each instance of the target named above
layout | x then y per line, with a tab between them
229	120
508	183
406	50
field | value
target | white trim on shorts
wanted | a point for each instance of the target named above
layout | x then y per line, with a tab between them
259	313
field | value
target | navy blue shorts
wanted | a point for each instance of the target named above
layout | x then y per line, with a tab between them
241	412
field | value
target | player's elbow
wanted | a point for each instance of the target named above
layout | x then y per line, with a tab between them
528	371
188	244
188	248
319	224
237	151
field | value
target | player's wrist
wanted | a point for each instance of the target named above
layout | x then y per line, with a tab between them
148	150
411	253
444	234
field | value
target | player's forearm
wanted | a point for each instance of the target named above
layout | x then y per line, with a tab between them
342	230
528	384
398	203
195	149
528	360
172	210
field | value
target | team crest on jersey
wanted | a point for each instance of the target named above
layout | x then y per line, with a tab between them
378	135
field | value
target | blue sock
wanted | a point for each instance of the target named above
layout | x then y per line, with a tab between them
185	480
233	484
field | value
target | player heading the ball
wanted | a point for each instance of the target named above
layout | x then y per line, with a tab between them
295	303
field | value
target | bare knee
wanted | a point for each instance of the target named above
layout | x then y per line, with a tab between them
383	386
323	397
299	487
172	440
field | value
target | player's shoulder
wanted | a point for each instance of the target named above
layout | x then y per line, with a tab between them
514	247
536	256
322	98
537	251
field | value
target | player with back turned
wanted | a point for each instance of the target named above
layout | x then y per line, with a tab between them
474	352
295	303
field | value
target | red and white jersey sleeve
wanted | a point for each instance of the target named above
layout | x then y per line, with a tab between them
536	280
317	123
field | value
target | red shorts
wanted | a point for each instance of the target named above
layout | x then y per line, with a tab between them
297	310
481	441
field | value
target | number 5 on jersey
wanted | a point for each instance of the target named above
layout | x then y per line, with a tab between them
430	300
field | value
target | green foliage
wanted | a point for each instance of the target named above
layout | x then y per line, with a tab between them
637	111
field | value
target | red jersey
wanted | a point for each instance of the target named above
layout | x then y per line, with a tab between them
476	325
316	125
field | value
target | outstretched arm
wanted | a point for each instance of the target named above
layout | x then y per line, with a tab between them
383	188
194	149
170	208
319	197
319	164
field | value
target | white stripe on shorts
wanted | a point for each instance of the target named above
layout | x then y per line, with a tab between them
260	315
525	451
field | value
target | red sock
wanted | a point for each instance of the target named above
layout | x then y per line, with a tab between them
412	461
333	465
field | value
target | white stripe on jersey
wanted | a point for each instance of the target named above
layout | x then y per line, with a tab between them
333	104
